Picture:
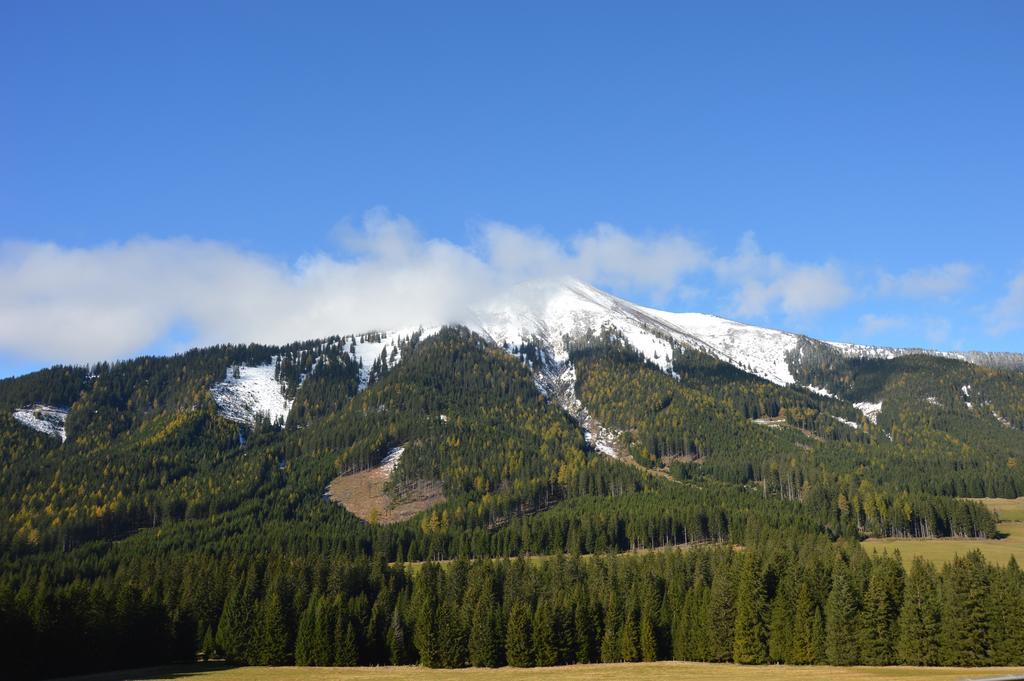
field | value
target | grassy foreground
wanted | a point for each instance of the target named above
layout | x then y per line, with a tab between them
940	551
676	671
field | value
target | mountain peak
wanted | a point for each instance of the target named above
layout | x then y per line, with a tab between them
549	311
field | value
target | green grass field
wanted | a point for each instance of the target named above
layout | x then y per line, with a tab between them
656	671
1008	510
940	551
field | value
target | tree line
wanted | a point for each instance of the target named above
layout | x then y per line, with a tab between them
827	603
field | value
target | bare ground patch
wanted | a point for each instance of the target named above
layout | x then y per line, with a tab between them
363	494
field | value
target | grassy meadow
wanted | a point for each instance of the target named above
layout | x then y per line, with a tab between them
655	671
1008	510
939	551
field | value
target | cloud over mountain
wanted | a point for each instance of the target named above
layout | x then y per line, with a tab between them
118	299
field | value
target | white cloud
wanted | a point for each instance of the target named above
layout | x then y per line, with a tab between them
766	280
1008	313
607	255
925	283
937	330
872	325
115	300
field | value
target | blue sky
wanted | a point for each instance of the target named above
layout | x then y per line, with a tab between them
855	171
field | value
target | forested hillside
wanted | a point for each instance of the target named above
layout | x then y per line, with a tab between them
167	526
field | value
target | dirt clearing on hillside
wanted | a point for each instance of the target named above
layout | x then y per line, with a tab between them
363	494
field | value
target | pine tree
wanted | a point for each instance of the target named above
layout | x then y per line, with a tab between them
720	616
376	646
750	641
1008	615
209	646
518	638
545	636
629	638
483	634
841	618
273	636
236	627
648	639
426	633
304	638
586	643
782	622
454	643
398	644
805	640
611	647
689	633
880	611
347	644
322	646
966	614
680	634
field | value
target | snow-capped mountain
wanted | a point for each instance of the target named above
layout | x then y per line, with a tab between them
552	313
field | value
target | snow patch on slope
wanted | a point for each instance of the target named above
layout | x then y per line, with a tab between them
760	351
367	351
845	422
1002	419
43	418
248	391
390	461
857	351
869	409
558	381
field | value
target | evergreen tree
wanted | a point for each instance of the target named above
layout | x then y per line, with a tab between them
679	634
322	645
518	638
398	643
720	616
346	643
545	636
484	649
209	645
648	639
882	601
966	614
306	635
1007	595
273	641
629	638
454	643
782	623
236	627
841	618
689	634
427	634
921	618
586	637
750	641
611	646
806	639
